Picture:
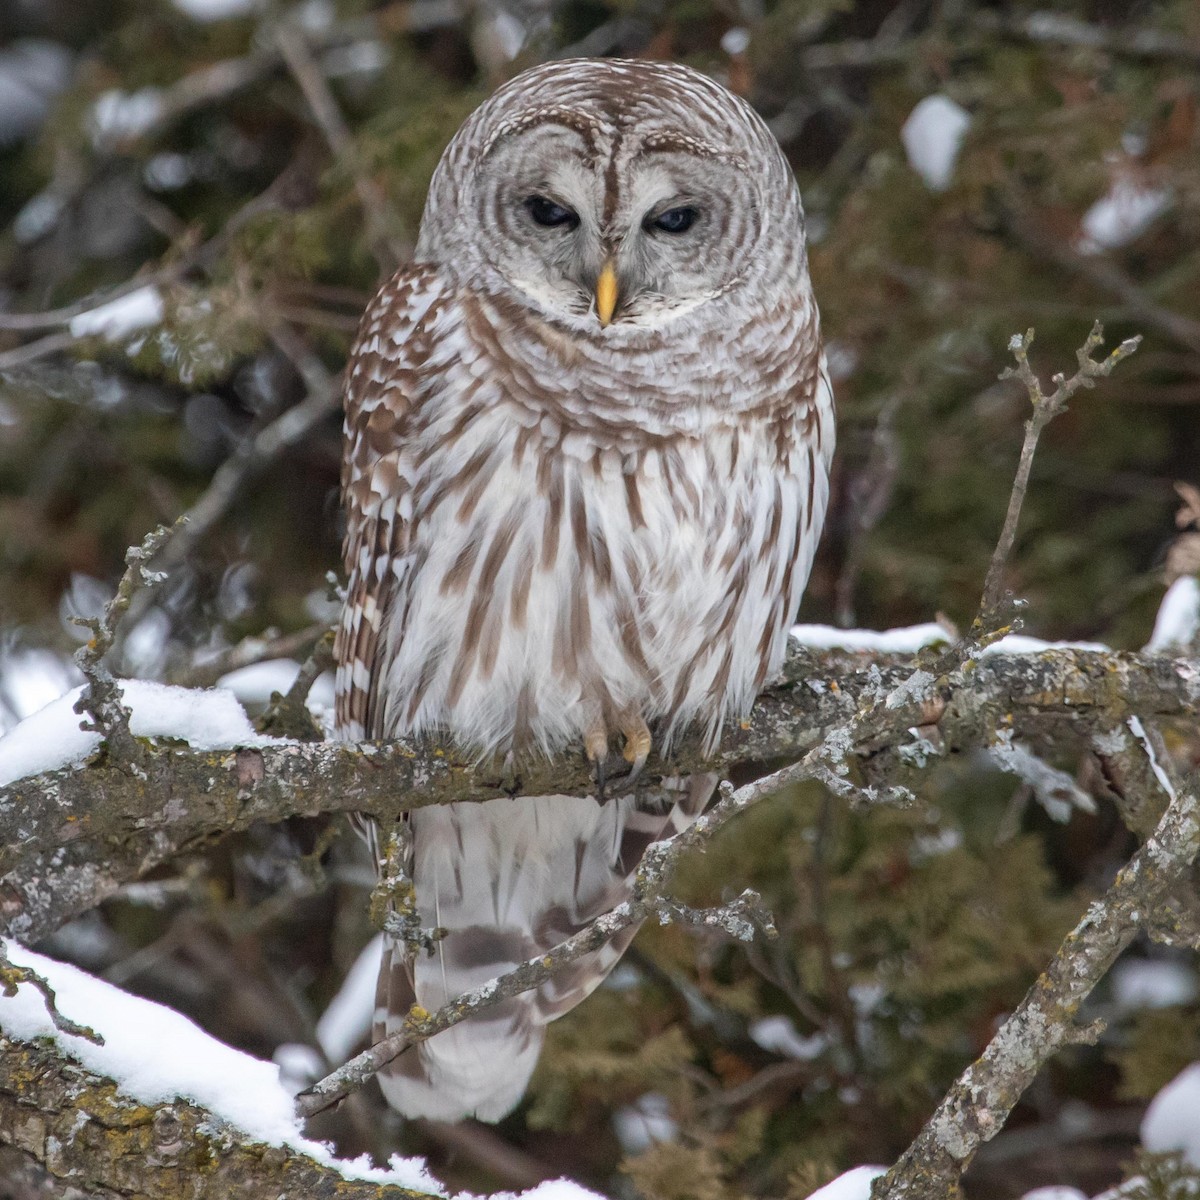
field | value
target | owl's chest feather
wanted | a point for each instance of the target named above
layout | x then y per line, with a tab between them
554	578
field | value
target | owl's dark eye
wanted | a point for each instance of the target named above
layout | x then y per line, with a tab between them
546	212
675	220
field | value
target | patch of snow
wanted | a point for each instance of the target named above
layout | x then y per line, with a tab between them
779	1035
120	319
255	683
645	1122
735	41
314	16
208	719
299	1066
348	1018
366	57
216	10
508	33
155	1055
853	1185
145	651
117	116
932	136
1170	1122
1055	790
1018	643
37	217
1139	731
907	640
33	71
167	171
933	845
1121	215
841	359
321	695
866	998
29	680
85	596
1177	624
1139	983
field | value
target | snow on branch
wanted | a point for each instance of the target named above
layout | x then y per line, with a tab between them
150	1100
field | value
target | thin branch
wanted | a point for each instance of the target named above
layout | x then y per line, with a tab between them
11	978
204	672
1045	409
288	715
1052	28
249	460
101	697
1103	272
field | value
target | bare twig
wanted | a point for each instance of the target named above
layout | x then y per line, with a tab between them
1103	272
1052	28
1045	409
250	459
250	650
101	697
288	715
11	978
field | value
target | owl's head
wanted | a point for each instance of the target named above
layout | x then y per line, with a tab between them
618	194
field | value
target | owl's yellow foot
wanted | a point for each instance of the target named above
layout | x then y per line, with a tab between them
637	742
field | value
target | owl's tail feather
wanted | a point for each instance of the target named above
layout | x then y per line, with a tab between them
508	880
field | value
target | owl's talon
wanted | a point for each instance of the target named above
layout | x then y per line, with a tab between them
637	743
595	747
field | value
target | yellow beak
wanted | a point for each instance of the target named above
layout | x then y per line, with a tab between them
606	293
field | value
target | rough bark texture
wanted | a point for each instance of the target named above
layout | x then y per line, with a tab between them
82	1131
70	838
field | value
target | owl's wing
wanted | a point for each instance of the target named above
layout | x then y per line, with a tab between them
387	379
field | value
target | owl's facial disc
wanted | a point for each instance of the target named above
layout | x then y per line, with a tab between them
619	230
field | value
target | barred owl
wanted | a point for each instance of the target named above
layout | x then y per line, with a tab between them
588	434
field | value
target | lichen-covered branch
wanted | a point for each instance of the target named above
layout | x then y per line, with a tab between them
71	838
917	699
979	1103
84	1131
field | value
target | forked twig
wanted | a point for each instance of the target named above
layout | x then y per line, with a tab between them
101	696
1045	409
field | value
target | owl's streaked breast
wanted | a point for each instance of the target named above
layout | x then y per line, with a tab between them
602	543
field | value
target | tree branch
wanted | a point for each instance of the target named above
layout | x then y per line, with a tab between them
1045	409
70	838
81	1128
976	1107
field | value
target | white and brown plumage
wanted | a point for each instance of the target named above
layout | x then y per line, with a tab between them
588	439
